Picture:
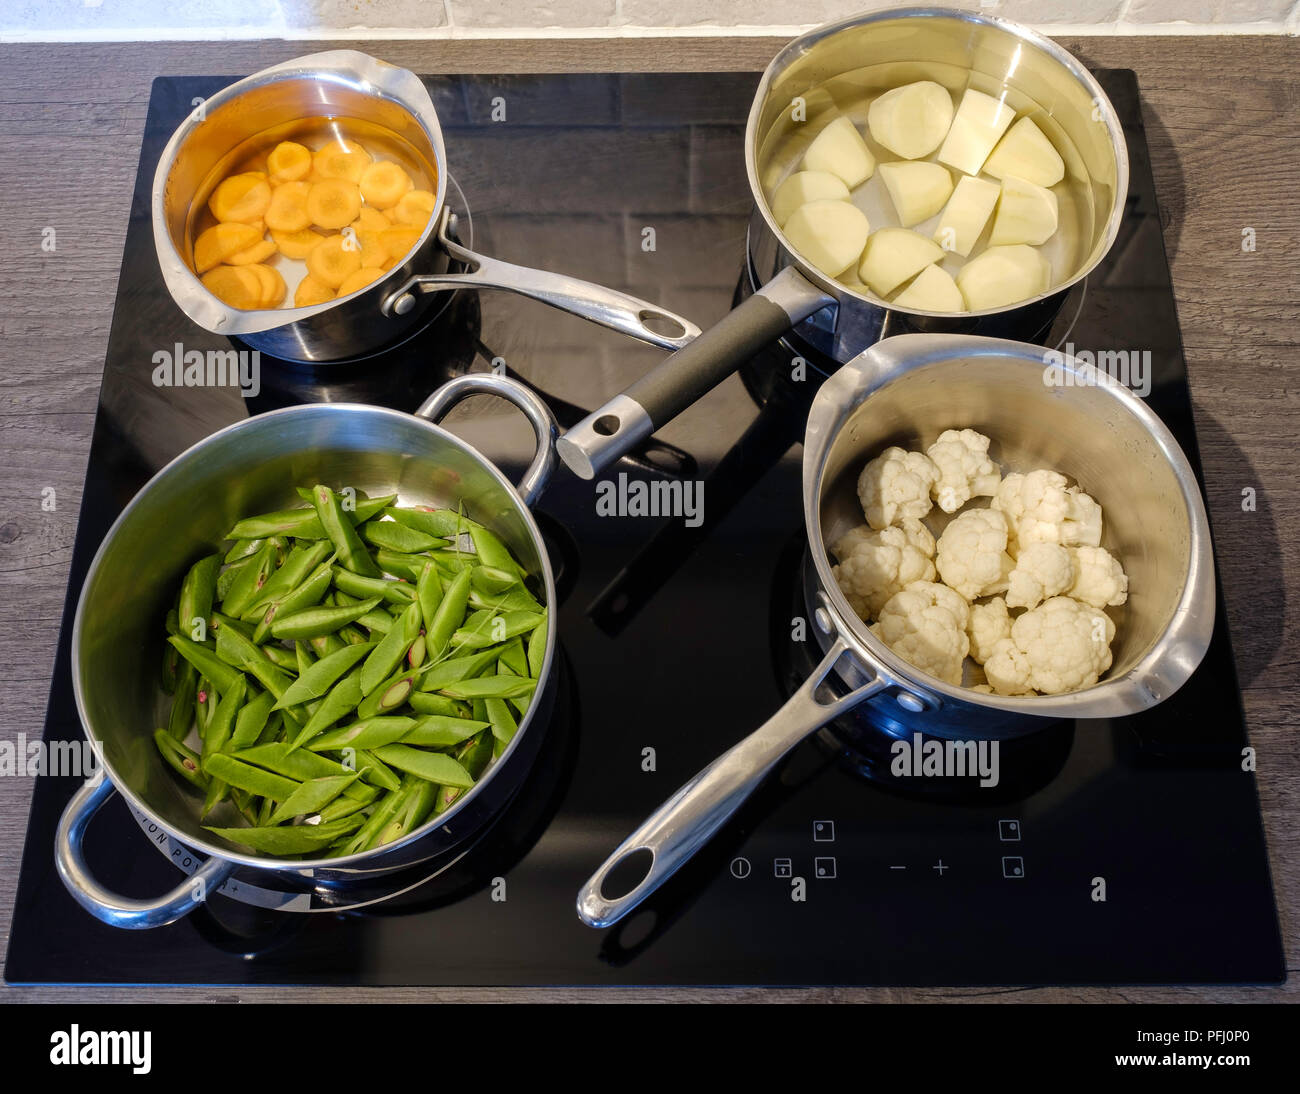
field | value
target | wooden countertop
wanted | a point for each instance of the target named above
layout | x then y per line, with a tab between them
1223	122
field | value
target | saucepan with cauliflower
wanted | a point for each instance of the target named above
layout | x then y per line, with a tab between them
989	548
912	169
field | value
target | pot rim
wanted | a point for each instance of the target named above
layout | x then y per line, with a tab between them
797	47
436	821
1161	669
363	73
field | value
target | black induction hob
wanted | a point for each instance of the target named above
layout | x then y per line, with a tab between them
678	640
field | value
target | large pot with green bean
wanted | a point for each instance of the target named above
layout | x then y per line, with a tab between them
316	645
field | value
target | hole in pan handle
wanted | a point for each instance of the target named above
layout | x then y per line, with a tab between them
690	373
687	820
107	906
619	311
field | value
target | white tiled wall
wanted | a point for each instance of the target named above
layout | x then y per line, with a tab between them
181	19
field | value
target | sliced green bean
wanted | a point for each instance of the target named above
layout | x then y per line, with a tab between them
342	699
317	621
312	796
250	580
365	734
243	548
395	592
436	767
354	635
504	726
491	687
375	771
307	595
412	812
449	615
493	582
325	644
297	567
492	552
440	731
428	591
198	589
294	839
515	658
378	620
255	780
441	523
423	702
222	675
390	694
237	650
379	818
517	599
403	567
395	536
181	716
351	551
281	658
317	679
386	656
300	765
181	759
537	649
251	720
227	578
220	619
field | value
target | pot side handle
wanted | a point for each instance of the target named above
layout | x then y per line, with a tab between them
690	818
537	412
107	906
619	311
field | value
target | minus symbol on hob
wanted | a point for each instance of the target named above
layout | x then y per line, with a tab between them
898	867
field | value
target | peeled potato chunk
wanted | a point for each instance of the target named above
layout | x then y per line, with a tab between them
296	245
384	183
1026	214
414	208
372	219
311	292
258	252
829	233
977	126
333	203
221	241
333	260
359	280
967	212
399	240
240	198
1026	153
840	150
918	190
288	162
341	159
803	187
893	255
911	120
933	289
237	286
1003	275
288	209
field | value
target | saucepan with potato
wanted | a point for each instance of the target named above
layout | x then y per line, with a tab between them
304	210
992	544
918	169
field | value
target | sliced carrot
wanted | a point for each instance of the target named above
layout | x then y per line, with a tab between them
310	292
288	209
333	203
333	260
221	241
415	208
241	198
341	159
384	184
371	218
296	245
288	162
359	280
237	286
258	252
400	240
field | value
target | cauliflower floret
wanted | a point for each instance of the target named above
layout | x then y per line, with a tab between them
1067	644
1041	508
875	565
973	555
1099	579
965	470
896	485
1042	570
989	624
925	624
1008	669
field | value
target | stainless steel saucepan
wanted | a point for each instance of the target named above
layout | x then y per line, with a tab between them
360	94
905	391
253	466
837	70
